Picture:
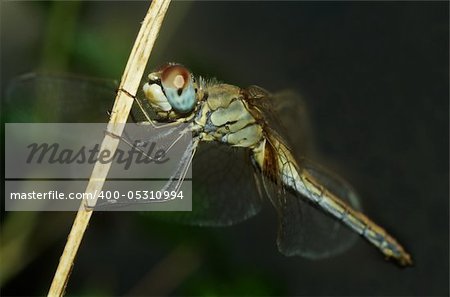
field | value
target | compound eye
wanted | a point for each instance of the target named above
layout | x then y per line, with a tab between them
178	86
176	77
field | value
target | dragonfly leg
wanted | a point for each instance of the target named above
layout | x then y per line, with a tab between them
182	130
158	125
127	140
181	171
182	134
179	176
166	147
162	134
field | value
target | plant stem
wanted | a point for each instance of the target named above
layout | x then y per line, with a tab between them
131	78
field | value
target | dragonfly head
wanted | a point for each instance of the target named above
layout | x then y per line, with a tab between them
171	88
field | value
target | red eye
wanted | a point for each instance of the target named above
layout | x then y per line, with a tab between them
175	76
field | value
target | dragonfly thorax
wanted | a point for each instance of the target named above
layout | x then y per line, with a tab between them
224	117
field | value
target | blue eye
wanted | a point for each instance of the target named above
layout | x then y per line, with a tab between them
178	87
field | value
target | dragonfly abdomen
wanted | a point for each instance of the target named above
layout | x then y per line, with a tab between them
355	220
300	181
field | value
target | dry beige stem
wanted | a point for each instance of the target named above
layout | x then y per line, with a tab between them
129	85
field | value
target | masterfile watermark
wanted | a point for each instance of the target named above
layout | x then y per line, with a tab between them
48	165
138	152
50	195
71	150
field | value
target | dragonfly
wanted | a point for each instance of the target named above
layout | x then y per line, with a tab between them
241	133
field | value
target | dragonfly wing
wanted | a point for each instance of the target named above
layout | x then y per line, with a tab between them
293	112
304	229
283	111
224	190
40	97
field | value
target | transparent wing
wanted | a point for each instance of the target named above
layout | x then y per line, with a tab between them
292	112
304	229
312	233
224	189
285	112
40	97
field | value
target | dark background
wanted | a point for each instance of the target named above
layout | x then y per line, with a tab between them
375	78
